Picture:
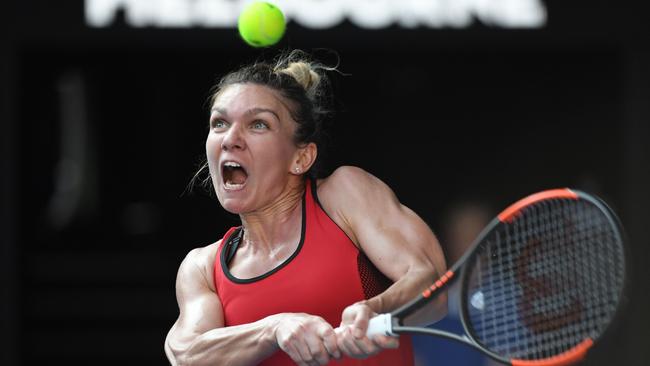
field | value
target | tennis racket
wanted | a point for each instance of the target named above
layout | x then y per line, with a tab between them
539	285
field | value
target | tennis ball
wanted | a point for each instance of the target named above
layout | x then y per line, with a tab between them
261	24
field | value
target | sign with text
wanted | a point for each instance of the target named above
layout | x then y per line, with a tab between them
322	14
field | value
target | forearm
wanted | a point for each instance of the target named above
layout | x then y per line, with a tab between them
246	344
404	290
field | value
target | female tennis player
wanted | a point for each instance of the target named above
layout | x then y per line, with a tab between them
313	259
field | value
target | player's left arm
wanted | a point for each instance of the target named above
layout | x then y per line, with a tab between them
397	241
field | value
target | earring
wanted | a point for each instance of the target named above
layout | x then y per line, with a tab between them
297	170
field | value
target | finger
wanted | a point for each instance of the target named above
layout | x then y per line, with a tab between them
317	349
366	346
329	341
346	343
386	341
361	322
293	353
341	341
304	352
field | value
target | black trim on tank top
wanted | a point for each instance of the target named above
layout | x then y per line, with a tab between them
233	241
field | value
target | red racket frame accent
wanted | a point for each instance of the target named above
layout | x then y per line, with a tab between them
569	357
511	212
438	284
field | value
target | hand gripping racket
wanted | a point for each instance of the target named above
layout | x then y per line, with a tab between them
539	285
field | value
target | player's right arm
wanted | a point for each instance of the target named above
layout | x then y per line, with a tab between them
198	337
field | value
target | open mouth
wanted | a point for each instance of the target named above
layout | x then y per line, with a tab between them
234	175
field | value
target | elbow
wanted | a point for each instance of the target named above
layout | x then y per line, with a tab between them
172	355
193	354
177	356
183	359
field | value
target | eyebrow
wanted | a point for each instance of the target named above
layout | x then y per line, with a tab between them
252	111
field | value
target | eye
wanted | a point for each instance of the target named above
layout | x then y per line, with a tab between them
259	125
218	124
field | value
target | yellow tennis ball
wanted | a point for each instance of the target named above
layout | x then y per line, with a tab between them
261	24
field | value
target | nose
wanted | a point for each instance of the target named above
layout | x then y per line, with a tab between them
233	139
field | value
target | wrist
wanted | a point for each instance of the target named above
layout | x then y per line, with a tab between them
376	304
271	325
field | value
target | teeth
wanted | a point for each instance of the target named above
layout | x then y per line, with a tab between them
232	164
233	186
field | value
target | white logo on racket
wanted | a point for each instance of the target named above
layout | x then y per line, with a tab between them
477	300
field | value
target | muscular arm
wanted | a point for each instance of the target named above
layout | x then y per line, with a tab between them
199	337
395	239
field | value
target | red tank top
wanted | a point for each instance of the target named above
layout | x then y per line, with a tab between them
324	275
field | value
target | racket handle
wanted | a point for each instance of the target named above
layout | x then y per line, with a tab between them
382	324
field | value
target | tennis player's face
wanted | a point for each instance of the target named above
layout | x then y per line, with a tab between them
250	147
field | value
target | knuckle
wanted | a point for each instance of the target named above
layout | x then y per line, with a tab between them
284	343
296	332
326	332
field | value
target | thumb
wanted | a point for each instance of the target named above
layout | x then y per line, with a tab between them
360	323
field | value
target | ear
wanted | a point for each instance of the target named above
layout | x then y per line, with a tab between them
304	158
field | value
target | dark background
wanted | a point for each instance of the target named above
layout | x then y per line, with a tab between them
102	129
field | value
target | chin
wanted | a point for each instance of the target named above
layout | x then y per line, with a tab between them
233	206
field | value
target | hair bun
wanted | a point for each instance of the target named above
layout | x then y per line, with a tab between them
304	74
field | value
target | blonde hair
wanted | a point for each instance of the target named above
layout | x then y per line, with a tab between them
304	74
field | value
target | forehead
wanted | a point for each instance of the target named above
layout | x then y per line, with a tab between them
241	97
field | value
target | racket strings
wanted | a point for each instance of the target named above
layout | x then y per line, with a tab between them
546	281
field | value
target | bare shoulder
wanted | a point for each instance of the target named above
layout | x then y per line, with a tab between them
352	185
351	196
199	262
350	174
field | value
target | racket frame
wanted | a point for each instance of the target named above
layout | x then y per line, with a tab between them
392	323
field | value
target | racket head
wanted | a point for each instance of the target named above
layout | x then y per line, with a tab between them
544	279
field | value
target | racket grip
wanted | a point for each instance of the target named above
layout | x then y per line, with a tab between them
382	324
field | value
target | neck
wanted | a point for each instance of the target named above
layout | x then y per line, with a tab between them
277	225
